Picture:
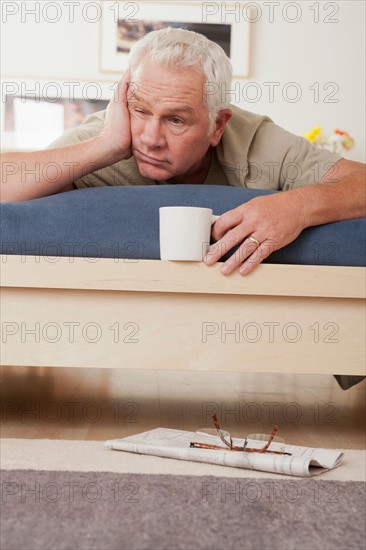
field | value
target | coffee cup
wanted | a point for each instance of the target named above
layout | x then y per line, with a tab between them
185	232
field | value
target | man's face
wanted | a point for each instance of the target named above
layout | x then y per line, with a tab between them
169	122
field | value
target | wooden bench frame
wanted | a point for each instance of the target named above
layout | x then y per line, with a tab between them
152	314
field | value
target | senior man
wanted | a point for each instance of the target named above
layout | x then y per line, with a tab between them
171	123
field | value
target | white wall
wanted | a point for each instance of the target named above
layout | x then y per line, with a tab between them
308	52
304	52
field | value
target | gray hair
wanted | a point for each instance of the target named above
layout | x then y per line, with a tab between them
175	47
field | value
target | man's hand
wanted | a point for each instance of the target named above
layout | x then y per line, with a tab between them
117	129
265	224
262	225
36	174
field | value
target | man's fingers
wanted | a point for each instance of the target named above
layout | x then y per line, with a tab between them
117	131
230	239
247	257
248	249
260	254
122	86
226	221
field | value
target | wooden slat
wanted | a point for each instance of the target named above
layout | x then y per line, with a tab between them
176	331
187	277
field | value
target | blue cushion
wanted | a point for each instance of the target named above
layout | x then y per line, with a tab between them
123	222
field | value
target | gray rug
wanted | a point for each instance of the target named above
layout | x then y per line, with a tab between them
103	511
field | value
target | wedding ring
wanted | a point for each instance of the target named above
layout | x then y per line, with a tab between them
254	240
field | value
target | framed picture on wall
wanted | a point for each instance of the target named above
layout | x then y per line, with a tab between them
36	112
123	23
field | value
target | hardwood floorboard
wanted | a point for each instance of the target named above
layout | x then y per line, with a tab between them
100	404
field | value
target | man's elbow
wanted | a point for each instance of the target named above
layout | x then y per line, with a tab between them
7	194
68	187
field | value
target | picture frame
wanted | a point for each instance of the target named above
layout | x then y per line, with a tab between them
36	112
123	23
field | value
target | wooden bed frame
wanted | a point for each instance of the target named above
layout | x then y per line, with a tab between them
152	314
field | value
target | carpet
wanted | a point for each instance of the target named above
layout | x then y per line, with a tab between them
100	510
79	495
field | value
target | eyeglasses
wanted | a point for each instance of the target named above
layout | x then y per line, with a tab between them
253	443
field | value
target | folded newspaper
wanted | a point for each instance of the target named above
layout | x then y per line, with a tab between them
168	443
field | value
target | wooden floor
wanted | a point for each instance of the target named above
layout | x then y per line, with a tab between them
100	404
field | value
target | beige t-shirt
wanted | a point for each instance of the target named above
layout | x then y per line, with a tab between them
253	152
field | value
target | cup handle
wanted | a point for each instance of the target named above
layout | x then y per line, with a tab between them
214	218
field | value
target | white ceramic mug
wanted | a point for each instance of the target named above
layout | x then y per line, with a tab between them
185	232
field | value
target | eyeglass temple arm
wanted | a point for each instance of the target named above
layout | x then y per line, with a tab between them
274	431
217	426
216	422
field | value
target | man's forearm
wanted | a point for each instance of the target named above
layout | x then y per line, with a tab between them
341	197
27	176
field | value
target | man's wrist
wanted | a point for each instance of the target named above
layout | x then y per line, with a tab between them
108	151
302	206
318	204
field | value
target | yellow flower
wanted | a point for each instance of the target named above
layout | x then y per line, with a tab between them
313	134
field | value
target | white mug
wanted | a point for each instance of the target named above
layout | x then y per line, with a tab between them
185	232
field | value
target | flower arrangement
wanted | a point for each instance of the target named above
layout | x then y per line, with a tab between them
336	142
